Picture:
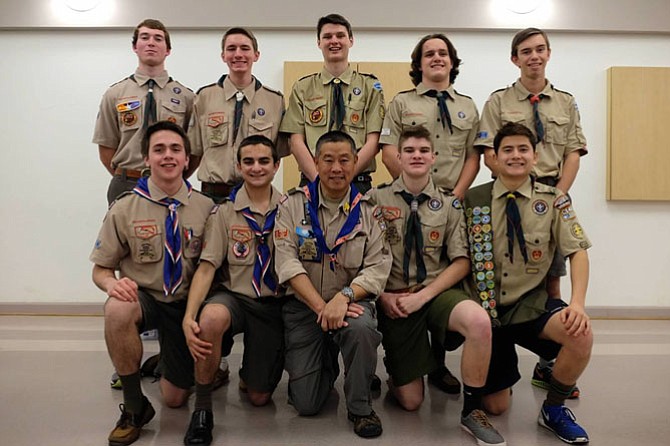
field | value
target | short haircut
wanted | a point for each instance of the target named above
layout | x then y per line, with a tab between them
253	140
335	136
244	32
165	125
334	19
525	34
513	129
418	131
152	24
416	74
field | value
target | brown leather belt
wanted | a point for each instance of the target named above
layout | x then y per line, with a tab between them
130	173
219	189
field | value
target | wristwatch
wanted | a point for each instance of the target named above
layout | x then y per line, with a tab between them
348	293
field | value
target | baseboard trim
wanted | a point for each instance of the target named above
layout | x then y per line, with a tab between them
95	309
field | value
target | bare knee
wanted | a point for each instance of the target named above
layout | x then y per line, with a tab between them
173	396
580	346
497	403
479	327
410	395
410	403
214	320
121	314
259	399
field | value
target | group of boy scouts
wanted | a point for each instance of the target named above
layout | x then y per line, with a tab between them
422	265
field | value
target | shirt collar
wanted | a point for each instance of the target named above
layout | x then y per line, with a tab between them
345	77
230	90
522	93
421	89
500	190
343	204
158	194
161	80
243	201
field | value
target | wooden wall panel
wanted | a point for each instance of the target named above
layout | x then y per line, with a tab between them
638	163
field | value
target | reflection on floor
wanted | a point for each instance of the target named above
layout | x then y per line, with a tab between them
55	391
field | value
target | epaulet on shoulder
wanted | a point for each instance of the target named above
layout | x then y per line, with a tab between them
561	91
384	185
206	86
270	89
499	90
368	75
306	76
444	190
215	209
294	190
118	82
546	189
406	91
461	94
182	85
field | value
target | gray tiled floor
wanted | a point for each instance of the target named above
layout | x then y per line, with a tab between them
54	391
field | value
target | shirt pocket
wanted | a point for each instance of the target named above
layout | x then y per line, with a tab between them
146	244
130	114
192	243
537	247
173	112
557	130
351	253
414	120
260	127
241	252
316	113
216	125
459	136
433	228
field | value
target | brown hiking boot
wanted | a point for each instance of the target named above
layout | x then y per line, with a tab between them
128	427
368	426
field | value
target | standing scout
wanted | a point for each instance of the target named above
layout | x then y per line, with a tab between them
228	111
131	105
330	251
552	114
450	117
515	225
153	236
452	120
238	241
426	232
337	98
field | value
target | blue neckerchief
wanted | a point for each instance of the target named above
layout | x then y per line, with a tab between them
312	191
172	268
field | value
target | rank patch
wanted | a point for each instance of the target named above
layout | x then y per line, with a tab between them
176	90
435	204
461	115
260	111
357	91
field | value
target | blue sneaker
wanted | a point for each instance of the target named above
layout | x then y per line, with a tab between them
562	422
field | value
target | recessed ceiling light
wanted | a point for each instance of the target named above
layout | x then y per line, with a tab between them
522	6
82	5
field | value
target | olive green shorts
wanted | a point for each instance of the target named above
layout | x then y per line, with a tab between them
406	342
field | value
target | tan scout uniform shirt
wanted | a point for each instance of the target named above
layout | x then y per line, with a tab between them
213	125
442	227
310	107
229	242
413	108
548	222
132	238
121	115
559	115
362	259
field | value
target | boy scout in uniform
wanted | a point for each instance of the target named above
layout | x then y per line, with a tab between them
131	105
238	241
330	251
337	98
515	224
452	121
228	111
426	232
554	118
153	236
450	117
